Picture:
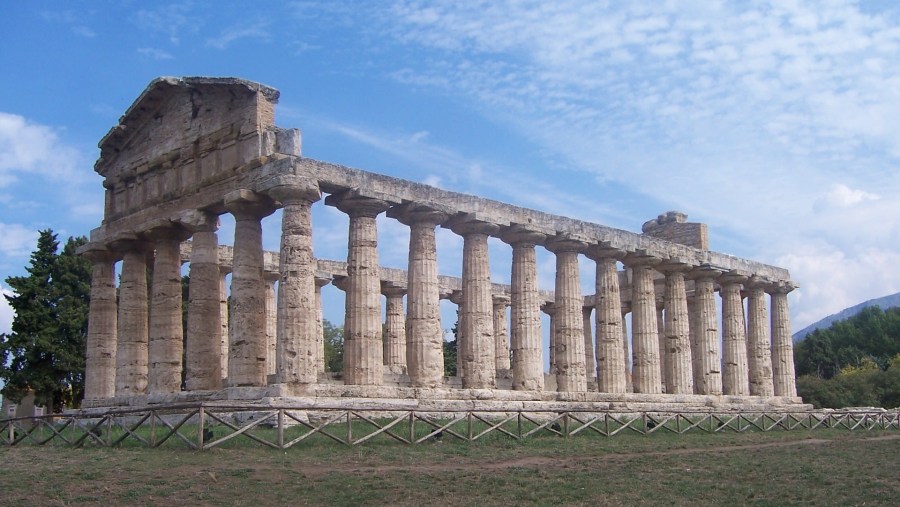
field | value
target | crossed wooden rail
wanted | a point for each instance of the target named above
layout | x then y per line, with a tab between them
201	426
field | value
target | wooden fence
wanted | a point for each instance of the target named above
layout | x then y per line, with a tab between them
201	426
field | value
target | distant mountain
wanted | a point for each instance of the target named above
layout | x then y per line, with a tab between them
883	302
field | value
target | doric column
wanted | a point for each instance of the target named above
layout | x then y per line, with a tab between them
456	297
298	319
203	343
132	331
247	340
590	360
363	348
225	345
394	328
549	309
100	350
626	355
759	346
707	360
679	373
501	332
612	348
734	336
661	334
166	337
525	310
477	354
271	323
321	280
570	356
424	335
782	347
646	377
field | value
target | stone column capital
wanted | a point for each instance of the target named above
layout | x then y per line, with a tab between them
97	252
548	308
413	213
640	258
734	277
198	220
247	204
602	251
469	223
780	287
322	280
517	234
501	299
165	229
565	242
704	272
340	282
129	242
357	203
392	289
755	282
675	265
291	188
626	307
457	297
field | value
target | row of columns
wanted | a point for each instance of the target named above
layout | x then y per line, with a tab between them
126	356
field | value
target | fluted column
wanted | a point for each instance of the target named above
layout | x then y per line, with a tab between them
271	323
501	332
759	346
247	340
611	361
785	383
734	337
100	349
525	310
549	309
320	282
424	335
646	374
298	331
570	355
477	354
132	331
661	334
225	345
166	335
363	348
394	328
679	370
705	333
590	360
626	354
203	343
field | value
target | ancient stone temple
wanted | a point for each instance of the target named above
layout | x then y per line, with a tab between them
707	329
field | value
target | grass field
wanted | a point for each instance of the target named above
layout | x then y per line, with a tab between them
822	467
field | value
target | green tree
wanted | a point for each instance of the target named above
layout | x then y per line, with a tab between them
334	347
45	351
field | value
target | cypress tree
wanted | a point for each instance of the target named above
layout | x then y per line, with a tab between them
45	350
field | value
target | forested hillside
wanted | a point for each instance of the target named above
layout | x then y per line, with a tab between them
855	362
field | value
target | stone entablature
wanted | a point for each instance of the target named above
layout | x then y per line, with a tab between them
191	149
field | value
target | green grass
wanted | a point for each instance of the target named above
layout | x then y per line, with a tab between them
822	467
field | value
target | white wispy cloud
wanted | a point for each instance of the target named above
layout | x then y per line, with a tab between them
28	148
746	115
256	30
155	54
74	20
17	240
173	20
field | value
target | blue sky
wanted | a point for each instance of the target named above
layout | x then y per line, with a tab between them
774	123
